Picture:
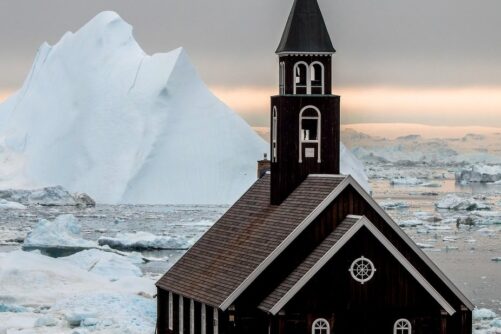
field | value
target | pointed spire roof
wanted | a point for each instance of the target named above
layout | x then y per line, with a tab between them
305	30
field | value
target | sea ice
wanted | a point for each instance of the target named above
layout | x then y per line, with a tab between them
390	204
63	232
4	204
454	202
49	196
479	173
406	181
145	240
71	295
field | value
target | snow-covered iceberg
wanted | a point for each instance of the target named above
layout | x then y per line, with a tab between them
98	115
63	232
479	173
455	202
4	204
145	240
49	196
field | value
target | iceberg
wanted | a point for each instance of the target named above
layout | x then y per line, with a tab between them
49	196
479	174
454	202
144	241
63	232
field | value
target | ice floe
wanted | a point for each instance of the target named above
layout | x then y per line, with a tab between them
4	204
390	204
40	294
479	173
145	240
63	232
454	202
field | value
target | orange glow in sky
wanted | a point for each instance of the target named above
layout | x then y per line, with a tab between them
4	95
435	106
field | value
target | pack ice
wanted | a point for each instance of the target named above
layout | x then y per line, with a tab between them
98	115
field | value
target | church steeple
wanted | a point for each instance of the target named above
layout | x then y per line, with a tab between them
305	116
305	31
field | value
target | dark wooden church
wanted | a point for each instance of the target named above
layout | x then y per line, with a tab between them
306	250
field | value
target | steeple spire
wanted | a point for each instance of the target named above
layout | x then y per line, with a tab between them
305	31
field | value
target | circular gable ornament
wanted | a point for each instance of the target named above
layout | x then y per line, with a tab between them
362	270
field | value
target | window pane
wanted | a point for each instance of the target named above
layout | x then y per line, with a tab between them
309	129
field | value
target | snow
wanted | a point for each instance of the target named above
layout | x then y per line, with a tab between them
106	264
480	173
454	202
64	231
145	240
62	293
98	115
4	204
49	196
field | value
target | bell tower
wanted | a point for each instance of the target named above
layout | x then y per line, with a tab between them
305	121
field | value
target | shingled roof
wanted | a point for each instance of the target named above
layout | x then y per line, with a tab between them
305	30
241	241
287	284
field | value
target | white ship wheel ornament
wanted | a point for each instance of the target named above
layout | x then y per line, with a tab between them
362	270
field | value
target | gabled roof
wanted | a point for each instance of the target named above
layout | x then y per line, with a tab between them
253	233
305	31
244	241
326	251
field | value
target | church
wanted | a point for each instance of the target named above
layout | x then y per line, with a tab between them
305	249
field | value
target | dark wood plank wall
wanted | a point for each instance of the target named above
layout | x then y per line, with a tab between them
390	295
287	173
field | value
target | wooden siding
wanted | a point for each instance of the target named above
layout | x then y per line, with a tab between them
287	172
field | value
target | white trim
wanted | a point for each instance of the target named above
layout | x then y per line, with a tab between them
363	222
356	275
318	321
203	320
286	242
307	79
216	320
274	134
171	311
410	242
312	70
282	78
192	316
407	323
317	141
303	53
349	180
181	314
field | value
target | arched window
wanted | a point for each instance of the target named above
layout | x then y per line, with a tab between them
274	135
402	326
320	326
282	78
309	133
317	78
301	78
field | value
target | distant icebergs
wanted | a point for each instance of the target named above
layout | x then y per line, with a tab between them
49	196
144	240
479	174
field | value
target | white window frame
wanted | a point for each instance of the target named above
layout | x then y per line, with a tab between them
317	325
402	325
192	316
181	314
203	316
171	311
216	320
282	78
322	79
307	86
274	135
318	141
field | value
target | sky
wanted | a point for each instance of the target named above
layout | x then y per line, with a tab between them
398	61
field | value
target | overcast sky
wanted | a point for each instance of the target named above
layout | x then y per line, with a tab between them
408	57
